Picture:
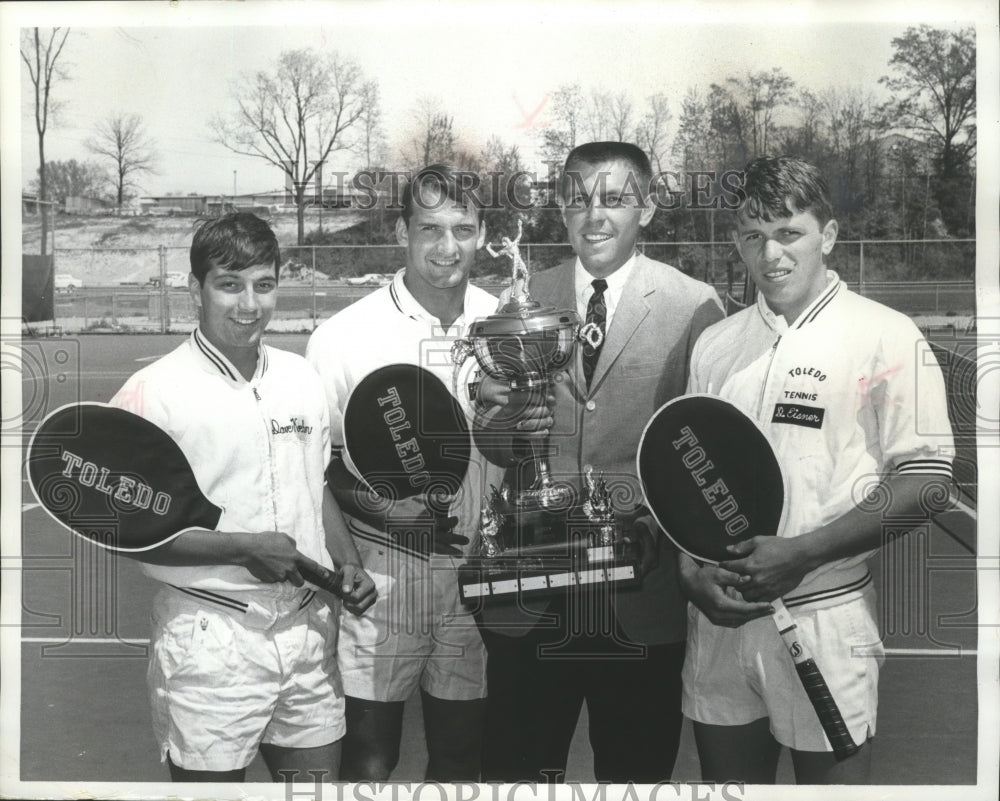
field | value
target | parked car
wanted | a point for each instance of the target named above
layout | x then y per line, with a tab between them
174	280
64	282
370	279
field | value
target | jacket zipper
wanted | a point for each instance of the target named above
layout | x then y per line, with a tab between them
767	375
270	463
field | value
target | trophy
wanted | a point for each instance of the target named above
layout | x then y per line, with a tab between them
523	344
542	537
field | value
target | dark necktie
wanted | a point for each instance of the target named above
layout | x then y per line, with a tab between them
594	328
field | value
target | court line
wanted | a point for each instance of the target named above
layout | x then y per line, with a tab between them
93	640
145	641
964	507
90	374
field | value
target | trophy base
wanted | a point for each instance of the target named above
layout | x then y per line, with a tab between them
548	498
544	552
509	577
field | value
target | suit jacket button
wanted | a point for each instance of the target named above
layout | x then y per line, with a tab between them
590	406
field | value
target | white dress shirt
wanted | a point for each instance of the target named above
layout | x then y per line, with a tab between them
583	289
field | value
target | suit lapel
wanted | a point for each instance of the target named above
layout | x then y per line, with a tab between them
563	296
631	311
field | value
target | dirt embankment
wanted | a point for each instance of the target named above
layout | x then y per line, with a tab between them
105	250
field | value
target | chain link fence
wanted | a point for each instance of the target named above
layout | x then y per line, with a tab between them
320	280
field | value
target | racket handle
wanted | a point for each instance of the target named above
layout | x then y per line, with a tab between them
815	685
330	580
826	709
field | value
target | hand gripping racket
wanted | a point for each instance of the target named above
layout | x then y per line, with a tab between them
711	479
121	482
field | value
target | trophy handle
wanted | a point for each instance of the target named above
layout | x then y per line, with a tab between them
461	351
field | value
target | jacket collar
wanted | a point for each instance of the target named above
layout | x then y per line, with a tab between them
214	361
404	301
810	313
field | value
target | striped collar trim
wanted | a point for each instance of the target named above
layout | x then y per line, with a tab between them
812	311
406	304
397	299
213	356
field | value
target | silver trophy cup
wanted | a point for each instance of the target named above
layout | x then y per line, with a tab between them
523	344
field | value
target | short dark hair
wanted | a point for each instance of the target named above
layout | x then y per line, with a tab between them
782	186
235	241
594	153
459	186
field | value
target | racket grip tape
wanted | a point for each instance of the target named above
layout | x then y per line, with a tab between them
814	684
826	709
330	580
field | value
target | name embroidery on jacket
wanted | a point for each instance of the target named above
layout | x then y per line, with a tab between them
798	415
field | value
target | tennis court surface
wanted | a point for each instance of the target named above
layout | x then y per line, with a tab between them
84	619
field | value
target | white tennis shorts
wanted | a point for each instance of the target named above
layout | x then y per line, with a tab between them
735	676
417	633
225	676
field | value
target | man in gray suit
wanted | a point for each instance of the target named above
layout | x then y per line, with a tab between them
621	651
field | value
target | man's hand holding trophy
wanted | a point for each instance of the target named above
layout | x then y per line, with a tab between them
552	532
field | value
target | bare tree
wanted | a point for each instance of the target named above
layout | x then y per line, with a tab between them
41	54
688	150
620	115
560	137
122	139
651	132
762	94
432	139
728	125
805	138
855	130
295	116
72	179
371	147
597	115
370	141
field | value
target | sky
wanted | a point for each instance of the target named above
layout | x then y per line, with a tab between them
491	66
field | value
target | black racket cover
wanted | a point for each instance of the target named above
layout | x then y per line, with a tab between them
406	433
710	476
114	477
